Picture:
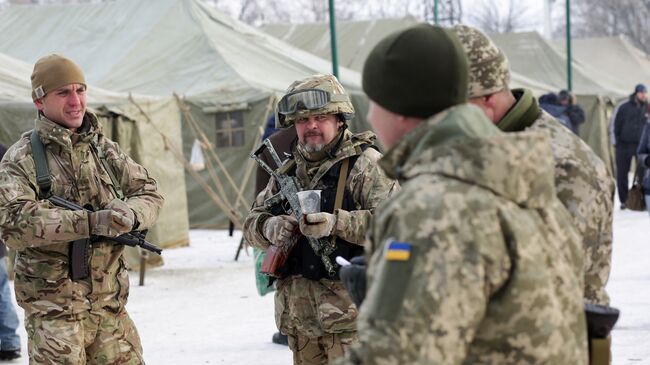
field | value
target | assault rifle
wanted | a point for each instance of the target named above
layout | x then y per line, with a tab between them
80	248
289	188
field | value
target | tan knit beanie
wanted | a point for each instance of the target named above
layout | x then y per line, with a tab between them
53	71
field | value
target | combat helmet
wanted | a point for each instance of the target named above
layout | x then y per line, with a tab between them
317	94
489	70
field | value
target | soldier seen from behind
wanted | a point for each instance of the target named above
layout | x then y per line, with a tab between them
472	261
74	305
311	305
582	182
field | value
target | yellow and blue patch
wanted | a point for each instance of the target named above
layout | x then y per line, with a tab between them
398	251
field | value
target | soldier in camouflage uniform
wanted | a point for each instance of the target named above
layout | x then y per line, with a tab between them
312	307
472	261
73	321
582	181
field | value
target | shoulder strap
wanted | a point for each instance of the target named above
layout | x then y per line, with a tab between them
343	174
43	177
340	187
117	187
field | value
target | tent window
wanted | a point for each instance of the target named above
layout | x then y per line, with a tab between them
230	129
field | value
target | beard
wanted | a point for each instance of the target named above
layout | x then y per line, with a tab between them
314	147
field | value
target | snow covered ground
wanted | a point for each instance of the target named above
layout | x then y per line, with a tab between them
202	306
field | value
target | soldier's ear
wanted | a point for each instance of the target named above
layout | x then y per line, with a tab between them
39	104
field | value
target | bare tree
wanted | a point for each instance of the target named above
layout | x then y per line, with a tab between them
450	12
492	17
597	18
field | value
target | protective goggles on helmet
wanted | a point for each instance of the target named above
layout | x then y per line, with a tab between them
309	99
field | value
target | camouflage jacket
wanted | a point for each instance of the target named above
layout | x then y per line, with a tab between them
41	232
583	184
313	308
472	261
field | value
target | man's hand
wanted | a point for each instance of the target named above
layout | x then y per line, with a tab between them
317	225
280	230
353	277
115	219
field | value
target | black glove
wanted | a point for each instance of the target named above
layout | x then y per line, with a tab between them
353	277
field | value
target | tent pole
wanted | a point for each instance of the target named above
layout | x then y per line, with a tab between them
179	157
335	62
569	71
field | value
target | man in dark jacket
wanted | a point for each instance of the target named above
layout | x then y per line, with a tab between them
572	110
628	126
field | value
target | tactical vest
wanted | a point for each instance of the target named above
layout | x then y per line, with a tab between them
302	259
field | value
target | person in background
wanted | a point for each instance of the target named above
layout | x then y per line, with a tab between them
551	104
643	158
628	127
572	110
9	338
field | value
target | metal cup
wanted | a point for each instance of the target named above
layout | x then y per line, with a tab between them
309	201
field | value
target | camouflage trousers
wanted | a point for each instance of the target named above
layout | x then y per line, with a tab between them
99	338
320	350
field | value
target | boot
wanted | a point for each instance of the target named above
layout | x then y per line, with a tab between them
6	355
280	339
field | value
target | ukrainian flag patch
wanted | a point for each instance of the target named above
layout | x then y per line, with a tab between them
398	251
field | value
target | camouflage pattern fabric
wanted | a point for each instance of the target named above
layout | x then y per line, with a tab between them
489	270
583	185
41	232
317	351
586	189
314	309
489	70
582	181
89	339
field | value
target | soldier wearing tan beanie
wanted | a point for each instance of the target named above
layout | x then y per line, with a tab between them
59	90
71	279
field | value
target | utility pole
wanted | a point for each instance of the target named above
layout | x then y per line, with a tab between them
569	57
436	19
335	62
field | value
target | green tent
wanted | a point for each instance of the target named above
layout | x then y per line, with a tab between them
147	128
613	59
225	73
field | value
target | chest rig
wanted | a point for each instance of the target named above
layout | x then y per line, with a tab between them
334	195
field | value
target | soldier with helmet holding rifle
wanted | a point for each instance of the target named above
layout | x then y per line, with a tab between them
311	305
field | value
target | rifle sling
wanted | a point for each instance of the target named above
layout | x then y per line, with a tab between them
43	177
340	187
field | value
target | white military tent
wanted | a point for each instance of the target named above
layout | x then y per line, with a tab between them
226	73
147	128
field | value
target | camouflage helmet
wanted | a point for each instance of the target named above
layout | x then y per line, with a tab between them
335	101
489	70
